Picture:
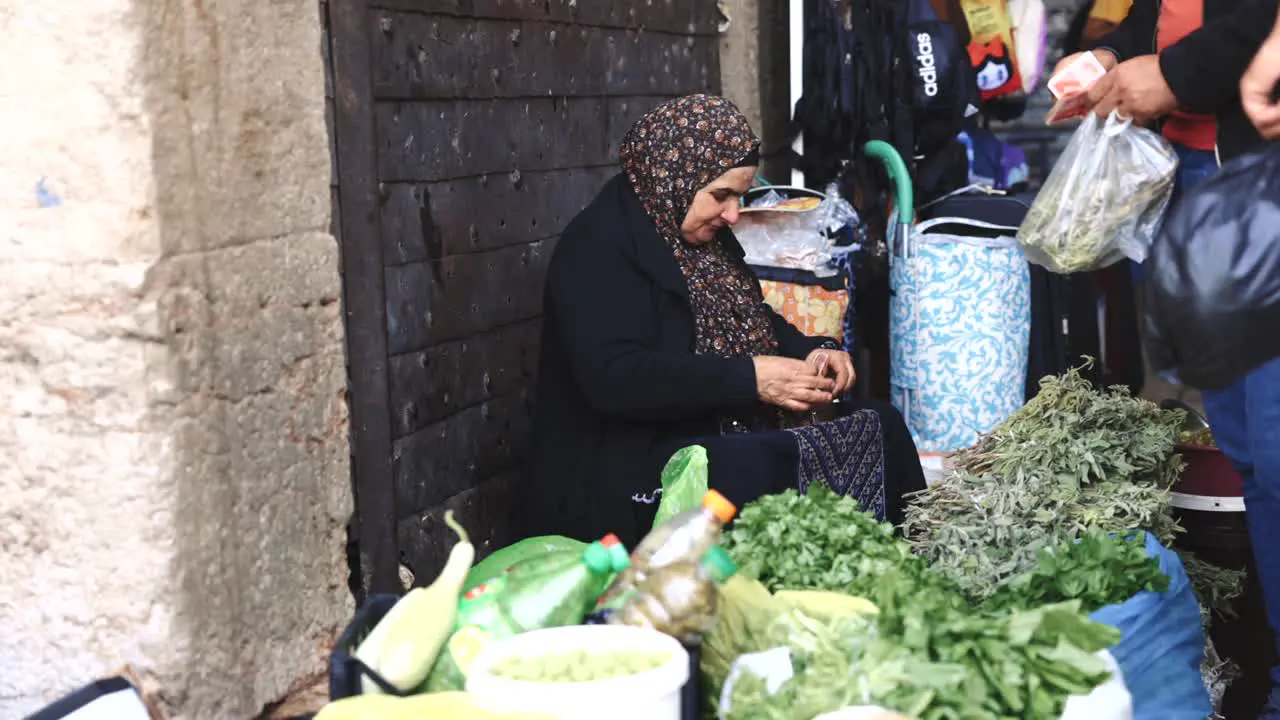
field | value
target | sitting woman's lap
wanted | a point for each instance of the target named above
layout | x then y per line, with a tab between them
747	466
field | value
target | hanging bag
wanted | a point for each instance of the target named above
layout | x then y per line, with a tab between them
1213	289
1104	199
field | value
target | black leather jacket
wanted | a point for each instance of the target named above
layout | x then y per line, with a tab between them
1204	68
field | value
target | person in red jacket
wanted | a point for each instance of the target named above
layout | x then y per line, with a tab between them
1183	63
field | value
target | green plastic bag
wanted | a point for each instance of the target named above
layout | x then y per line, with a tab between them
499	561
684	482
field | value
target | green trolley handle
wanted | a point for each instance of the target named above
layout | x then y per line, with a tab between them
904	197
904	192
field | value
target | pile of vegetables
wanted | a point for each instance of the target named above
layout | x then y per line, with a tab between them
1073	461
819	541
982	610
925	651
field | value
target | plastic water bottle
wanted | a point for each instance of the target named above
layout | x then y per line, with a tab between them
684	538
680	599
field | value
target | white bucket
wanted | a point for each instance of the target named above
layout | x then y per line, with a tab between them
651	695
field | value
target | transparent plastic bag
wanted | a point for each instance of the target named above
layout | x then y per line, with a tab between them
1104	200
795	240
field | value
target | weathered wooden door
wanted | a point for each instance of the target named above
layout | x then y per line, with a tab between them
467	134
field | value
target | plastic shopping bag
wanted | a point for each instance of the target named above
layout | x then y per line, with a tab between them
499	561
684	482
1213	288
1162	645
1103	201
1109	701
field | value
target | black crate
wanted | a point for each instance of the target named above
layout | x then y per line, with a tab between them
345	670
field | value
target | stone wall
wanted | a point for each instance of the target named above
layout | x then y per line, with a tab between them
754	67
174	428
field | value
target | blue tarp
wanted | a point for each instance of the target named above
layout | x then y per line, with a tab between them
1162	645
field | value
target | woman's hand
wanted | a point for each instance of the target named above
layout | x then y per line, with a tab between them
1107	59
834	363
790	384
1258	86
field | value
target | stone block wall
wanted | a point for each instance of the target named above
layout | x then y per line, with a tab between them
174	483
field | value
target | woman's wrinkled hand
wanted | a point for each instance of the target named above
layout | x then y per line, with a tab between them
836	364
790	384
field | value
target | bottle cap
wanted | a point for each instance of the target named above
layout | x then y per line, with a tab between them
618	558
719	506
719	564
597	558
610	540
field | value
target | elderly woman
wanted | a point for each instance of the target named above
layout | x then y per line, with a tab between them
656	336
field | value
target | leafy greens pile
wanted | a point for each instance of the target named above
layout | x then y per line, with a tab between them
1097	570
1073	461
819	541
957	666
927	653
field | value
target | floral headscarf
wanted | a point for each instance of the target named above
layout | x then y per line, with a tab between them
670	154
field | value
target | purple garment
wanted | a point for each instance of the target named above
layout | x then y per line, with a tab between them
847	455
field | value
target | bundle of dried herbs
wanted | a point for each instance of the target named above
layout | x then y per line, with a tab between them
1071	461
1217	587
1078	435
983	530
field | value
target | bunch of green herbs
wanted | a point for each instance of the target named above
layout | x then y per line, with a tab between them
1097	569
1072	461
818	541
932	659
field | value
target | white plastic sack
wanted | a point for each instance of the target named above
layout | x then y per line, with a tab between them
1109	701
1103	201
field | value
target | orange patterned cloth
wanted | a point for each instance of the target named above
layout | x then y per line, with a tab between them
815	311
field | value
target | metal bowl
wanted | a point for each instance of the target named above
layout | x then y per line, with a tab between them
1194	421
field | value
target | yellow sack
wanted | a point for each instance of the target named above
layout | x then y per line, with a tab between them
825	605
437	706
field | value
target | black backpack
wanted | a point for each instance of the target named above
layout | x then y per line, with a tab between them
944	100
944	91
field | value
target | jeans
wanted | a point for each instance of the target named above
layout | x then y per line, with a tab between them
1245	418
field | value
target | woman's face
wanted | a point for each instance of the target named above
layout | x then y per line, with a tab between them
715	207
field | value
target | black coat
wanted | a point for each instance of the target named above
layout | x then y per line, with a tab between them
1204	69
617	376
